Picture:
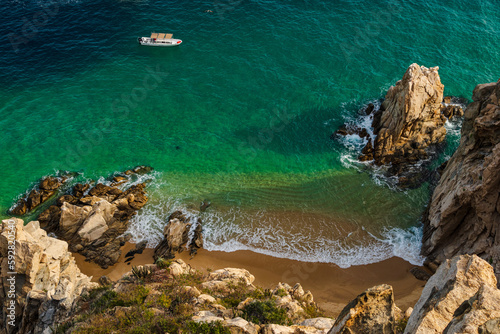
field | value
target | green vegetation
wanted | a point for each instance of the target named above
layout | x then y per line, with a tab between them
207	328
154	301
265	312
161	263
401	325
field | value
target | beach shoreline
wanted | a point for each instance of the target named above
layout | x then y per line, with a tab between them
332	286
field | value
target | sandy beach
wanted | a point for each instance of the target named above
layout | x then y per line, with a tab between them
332	287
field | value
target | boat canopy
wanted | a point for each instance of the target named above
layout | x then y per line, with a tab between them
161	36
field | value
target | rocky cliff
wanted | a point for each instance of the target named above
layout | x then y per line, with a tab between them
464	213
40	280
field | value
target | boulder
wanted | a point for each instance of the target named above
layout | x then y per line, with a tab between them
241	326
455	282
277	329
205	299
206	316
47	280
370	312
319	323
179	268
474	312
463	216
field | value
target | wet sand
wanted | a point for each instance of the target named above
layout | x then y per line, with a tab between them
332	287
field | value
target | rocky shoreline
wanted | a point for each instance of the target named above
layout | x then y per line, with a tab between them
461	297
44	291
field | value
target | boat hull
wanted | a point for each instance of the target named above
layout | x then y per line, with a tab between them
171	42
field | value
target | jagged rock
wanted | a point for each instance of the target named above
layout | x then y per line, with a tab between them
47	283
179	268
94	226
71	218
410	116
79	189
455	281
41	193
483	306
463	216
197	240
370	312
452	111
175	236
490	327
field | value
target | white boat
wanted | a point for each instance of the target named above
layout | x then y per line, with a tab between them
157	39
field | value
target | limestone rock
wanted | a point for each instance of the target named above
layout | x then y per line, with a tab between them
463	216
205	299
206	316
370	312
179	268
277	329
234	275
319	323
241	326
482	307
455	281
47	281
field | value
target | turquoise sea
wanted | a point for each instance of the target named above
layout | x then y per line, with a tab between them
240	114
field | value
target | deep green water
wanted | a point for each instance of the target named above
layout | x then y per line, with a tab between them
239	114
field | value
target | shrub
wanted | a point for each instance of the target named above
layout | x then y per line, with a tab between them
161	263
215	327
265	312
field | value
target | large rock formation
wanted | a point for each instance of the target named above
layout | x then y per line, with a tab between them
409	120
40	280
464	214
94	224
373	311
459	298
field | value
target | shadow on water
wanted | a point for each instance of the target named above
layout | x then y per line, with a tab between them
306	133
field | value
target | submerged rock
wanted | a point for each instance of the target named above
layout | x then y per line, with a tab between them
464	213
47	280
46	188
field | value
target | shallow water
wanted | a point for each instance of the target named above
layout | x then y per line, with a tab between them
240	114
